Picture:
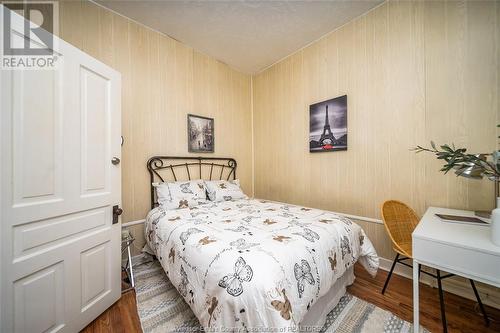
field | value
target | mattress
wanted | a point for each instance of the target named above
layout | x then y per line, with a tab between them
253	264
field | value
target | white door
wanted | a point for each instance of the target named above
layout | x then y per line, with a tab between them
60	252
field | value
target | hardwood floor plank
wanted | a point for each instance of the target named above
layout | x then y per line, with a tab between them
463	315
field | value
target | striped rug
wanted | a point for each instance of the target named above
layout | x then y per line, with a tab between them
162	309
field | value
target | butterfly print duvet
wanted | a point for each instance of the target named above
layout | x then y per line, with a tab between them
252	273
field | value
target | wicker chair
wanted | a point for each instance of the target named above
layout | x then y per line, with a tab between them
400	221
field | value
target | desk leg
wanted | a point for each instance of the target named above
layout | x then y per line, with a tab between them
416	323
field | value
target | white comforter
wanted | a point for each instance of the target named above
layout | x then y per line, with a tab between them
250	264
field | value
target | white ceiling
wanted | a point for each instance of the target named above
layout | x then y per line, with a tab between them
247	35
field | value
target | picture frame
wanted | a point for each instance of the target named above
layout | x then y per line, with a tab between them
328	125
201	136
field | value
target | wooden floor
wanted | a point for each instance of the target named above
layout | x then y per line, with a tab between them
121	317
462	314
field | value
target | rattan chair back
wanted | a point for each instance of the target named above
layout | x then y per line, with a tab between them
399	221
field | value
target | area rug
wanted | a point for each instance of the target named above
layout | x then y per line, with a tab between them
162	309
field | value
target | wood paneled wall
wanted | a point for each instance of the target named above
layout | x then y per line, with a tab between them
413	72
162	81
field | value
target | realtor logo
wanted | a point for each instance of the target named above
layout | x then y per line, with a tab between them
28	34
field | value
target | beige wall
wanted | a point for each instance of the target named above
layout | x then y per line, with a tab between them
162	81
413	72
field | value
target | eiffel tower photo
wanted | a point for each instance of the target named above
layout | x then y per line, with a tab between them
321	137
327	132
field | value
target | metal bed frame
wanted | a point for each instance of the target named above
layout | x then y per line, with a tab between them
159	167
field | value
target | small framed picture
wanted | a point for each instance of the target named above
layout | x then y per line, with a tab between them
200	134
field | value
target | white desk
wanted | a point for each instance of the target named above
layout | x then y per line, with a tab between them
461	249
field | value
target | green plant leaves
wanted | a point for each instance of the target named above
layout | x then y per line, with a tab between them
458	159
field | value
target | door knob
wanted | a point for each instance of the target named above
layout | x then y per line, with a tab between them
117	211
115	161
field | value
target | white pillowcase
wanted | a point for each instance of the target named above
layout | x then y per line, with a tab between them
224	190
181	194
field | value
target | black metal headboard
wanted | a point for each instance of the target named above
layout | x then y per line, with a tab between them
161	167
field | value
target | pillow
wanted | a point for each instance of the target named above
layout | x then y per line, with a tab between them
181	194
162	192
224	190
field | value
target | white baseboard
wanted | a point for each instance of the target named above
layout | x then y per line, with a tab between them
456	285
131	223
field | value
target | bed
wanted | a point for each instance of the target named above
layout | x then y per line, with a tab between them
251	264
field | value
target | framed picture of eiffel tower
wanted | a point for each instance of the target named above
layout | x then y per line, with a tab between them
328	125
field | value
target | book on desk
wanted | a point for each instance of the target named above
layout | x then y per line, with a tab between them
463	219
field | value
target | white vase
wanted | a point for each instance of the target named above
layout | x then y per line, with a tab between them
495	226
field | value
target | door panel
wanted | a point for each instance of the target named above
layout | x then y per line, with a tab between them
95	125
36	116
46	284
39	235
95	274
60	252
